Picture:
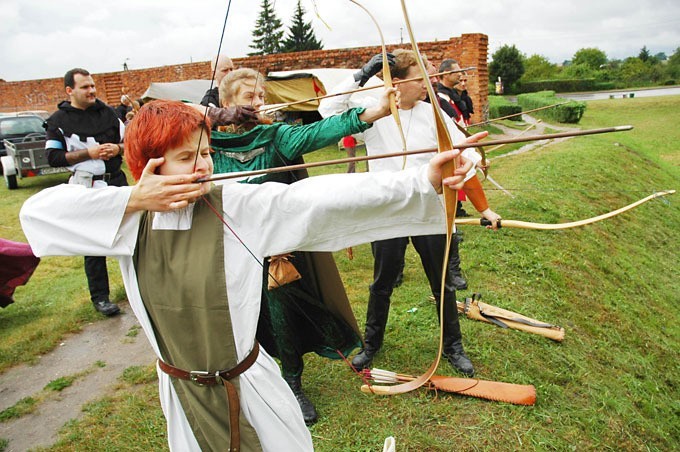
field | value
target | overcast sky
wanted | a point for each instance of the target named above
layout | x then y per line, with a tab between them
45	38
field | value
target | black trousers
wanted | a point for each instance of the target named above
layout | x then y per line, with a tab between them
95	266
388	262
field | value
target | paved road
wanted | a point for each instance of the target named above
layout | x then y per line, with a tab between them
626	93
618	94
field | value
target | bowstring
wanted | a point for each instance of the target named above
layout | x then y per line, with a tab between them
209	204
212	81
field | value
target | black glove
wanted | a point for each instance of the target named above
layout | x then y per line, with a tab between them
232	115
371	68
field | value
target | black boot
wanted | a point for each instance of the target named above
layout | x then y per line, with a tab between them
455	274
376	319
309	413
106	307
453	343
460	212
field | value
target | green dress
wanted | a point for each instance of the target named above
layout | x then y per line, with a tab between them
312	314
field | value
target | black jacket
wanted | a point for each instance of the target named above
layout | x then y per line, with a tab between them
462	100
98	121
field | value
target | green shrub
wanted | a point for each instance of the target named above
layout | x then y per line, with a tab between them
570	112
499	107
564	85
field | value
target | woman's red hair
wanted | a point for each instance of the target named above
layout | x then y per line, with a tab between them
157	127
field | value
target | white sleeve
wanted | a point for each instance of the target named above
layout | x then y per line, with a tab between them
71	220
327	213
336	105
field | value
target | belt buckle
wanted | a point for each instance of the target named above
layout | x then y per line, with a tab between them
106	177
194	376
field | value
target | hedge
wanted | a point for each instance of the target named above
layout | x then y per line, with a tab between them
500	106
570	112
564	85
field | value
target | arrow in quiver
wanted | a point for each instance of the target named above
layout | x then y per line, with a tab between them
473	308
483	389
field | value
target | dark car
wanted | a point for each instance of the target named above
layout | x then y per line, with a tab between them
20	128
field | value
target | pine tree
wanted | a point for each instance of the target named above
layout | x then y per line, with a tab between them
300	34
268	31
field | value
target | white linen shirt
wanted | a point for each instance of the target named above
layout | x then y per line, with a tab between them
383	137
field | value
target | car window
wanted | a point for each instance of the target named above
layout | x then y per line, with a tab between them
20	126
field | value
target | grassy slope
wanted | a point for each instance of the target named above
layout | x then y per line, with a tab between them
613	383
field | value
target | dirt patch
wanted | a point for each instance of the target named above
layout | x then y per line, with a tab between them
108	341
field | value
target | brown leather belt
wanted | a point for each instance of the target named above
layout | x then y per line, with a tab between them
211	378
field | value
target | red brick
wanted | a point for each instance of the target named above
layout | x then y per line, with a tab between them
468	49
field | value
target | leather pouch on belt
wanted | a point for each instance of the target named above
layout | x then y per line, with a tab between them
281	271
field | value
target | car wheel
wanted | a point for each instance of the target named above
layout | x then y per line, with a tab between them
11	181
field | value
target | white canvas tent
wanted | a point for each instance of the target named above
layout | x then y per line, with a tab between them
187	90
283	86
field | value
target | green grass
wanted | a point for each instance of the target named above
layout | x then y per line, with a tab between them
56	300
611	385
24	406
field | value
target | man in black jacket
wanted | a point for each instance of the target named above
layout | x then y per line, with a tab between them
220	66
451	87
86	136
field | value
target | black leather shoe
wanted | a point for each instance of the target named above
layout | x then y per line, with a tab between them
460	362
461	213
309	413
459	282
106	307
363	359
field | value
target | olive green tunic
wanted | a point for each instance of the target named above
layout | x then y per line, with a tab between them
190	316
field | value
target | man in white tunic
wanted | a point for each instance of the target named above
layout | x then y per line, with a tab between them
383	138
158	229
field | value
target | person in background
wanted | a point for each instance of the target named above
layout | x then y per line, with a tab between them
420	133
86	136
452	91
220	66
350	145
124	108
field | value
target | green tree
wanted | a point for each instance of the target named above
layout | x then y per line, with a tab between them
268	31
537	67
635	72
644	55
578	70
301	35
591	57
507	64
673	65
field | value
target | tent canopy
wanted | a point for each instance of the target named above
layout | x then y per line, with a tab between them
282	87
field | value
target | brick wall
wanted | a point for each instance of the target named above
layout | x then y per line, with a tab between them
468	49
